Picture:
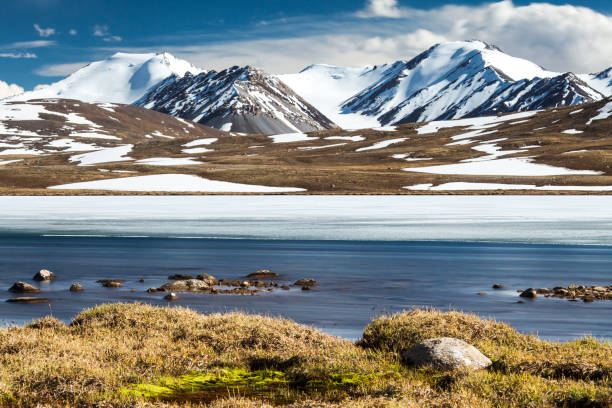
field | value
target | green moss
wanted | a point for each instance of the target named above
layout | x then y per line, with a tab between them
249	382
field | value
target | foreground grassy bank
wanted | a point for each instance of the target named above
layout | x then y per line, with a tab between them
128	355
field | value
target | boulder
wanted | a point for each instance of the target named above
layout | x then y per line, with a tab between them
22	287
28	300
207	278
76	287
446	353
187	285
263	274
171	296
306	282
530	293
44	275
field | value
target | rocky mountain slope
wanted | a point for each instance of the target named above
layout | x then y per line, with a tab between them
240	99
68	146
450	81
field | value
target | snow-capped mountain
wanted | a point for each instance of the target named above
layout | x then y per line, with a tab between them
122	78
241	99
601	82
465	79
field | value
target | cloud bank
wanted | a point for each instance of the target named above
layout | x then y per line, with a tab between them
7	90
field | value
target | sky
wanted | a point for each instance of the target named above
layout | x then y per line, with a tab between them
45	40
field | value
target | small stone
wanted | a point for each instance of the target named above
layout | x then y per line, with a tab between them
112	284
306	287
141	280
588	299
76	287
481	293
285	287
530	293
44	275
498	286
245	284
133	290
22	287
306	282
263	274
520	302
171	296
446	353
28	300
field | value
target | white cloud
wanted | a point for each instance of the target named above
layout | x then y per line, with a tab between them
380	8
102	30
560	38
16	55
7	90
30	44
44	32
59	70
73	32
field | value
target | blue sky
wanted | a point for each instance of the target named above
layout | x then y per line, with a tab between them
44	40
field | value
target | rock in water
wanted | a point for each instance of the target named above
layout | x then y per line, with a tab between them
263	274
530	293
171	296
28	300
44	275
207	278
498	286
306	282
76	287
446	353
112	284
188	285
22	287
179	276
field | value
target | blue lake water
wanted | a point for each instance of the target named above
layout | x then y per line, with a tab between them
371	254
358	279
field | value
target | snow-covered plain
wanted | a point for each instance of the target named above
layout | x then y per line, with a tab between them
382	144
169	161
530	219
512	166
291	137
107	155
465	186
173	183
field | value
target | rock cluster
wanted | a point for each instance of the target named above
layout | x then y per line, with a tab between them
572	292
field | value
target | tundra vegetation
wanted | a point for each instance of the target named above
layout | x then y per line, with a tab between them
134	355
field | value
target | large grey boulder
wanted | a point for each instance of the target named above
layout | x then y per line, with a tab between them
446	353
187	285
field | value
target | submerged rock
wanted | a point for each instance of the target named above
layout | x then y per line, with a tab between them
179	276
28	300
446	353
23	287
112	284
76	287
263	274
306	282
44	275
498	286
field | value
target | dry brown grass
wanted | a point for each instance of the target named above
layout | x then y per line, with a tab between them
336	170
93	360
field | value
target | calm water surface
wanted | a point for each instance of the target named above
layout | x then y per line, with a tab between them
359	279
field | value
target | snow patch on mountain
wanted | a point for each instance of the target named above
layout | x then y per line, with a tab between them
122	78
